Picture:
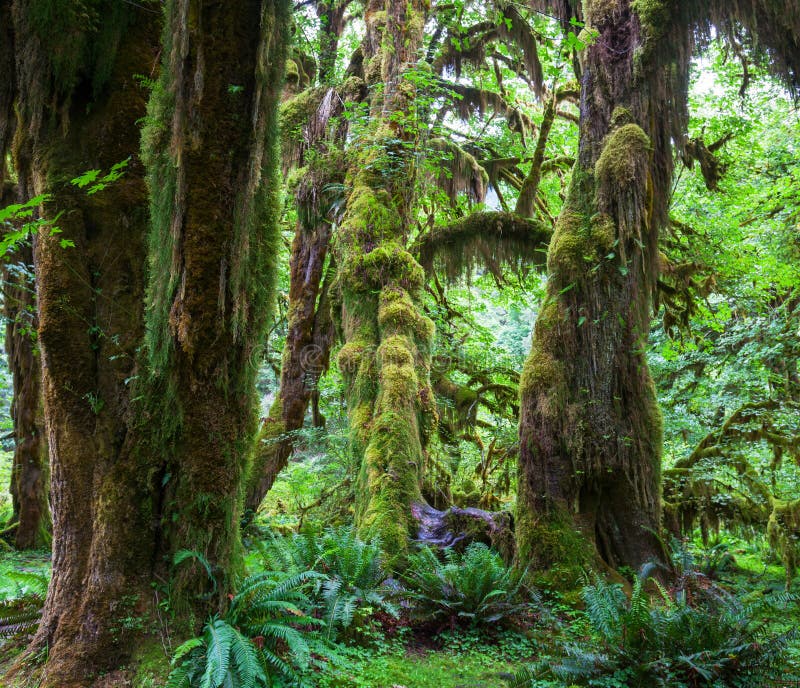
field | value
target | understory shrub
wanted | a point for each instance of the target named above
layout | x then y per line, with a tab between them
472	588
21	608
351	585
716	641
267	634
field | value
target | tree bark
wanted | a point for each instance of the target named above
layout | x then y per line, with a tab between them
590	427
90	319
214	242
29	477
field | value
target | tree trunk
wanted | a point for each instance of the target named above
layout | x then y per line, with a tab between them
137	477
305	356
29	479
214	243
386	356
590	427
74	116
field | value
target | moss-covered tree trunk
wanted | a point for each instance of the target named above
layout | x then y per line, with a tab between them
590	427
306	352
386	356
79	112
212	157
309	337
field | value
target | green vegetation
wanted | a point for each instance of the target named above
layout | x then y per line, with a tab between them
399	344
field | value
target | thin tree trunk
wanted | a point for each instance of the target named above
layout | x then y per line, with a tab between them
29	478
526	200
305	355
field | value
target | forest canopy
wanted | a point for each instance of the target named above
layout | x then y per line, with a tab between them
400	343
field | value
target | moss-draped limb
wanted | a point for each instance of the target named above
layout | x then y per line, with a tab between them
489	239
212	156
530	185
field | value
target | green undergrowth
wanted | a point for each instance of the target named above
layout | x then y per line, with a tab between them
448	660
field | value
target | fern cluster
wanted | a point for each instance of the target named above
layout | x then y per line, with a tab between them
645	642
267	633
21	611
351	583
472	588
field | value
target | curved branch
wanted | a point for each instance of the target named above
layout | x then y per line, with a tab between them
490	239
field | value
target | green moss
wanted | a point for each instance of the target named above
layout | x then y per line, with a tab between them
783	530
350	356
619	163
396	311
570	247
292	71
542	373
550	545
389	264
654	16
424	331
152	665
396	351
603	232
390	479
297	111
601	12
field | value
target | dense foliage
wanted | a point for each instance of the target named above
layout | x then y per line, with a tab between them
382	342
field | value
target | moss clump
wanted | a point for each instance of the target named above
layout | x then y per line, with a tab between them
350	356
620	162
602	12
396	311
389	264
297	111
373	70
569	247
370	211
654	16
424	331
396	351
550	544
603	232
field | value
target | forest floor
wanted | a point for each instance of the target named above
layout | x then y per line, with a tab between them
392	655
386	653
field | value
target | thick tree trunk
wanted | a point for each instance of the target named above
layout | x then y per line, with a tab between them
132	483
386	356
305	356
590	427
90	323
214	242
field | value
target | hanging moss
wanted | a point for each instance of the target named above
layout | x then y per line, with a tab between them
490	240
783	530
620	163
